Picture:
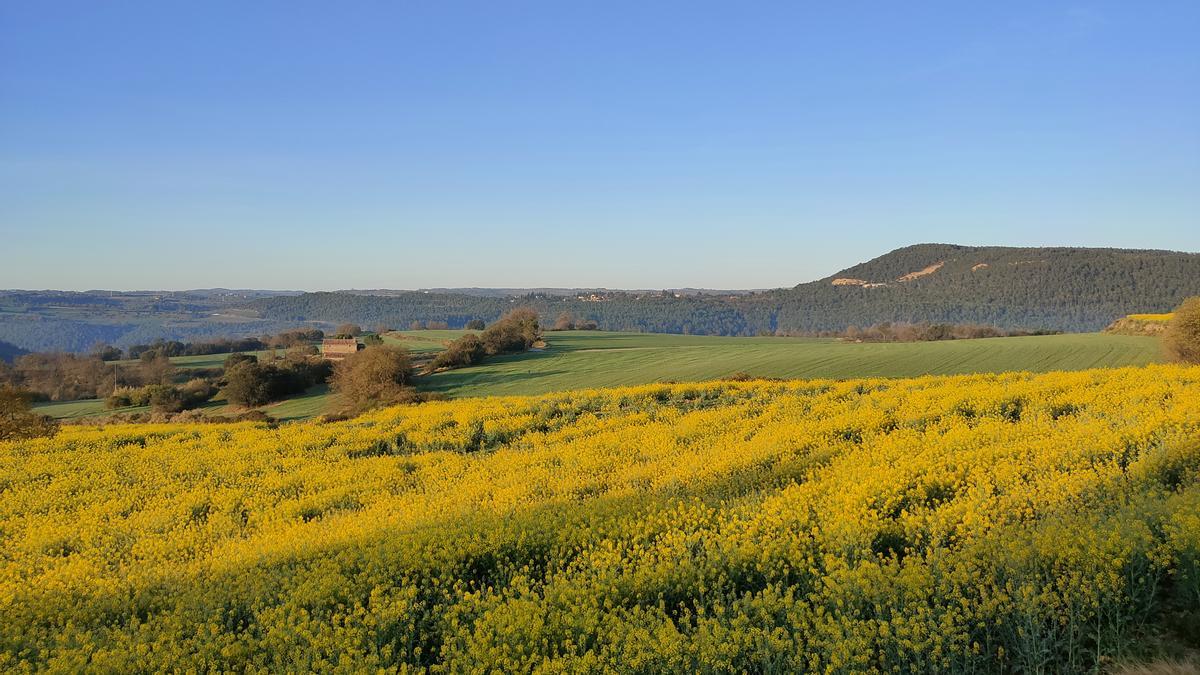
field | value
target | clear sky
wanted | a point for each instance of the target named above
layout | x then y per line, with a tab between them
314	145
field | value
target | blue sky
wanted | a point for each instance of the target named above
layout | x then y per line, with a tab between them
730	145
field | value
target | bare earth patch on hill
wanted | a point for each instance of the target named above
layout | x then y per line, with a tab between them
924	272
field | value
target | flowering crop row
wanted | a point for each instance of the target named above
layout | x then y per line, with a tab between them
973	524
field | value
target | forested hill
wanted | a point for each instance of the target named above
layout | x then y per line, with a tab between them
1065	288
1073	289
650	312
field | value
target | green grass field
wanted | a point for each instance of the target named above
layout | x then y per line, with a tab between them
423	341
587	359
69	410
311	403
204	361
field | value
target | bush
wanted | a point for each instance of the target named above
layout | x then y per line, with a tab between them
373	377
197	392
122	397
348	330
251	384
465	351
248	383
17	419
476	324
238	358
252	416
516	331
170	399
165	348
165	398
132	396
106	352
305	368
1182	337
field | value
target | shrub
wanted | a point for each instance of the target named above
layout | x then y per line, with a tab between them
17	419
567	321
165	398
253	416
375	376
1182	337
197	392
516	331
158	348
235	359
305	368
465	351
248	383
106	352
124	397
476	324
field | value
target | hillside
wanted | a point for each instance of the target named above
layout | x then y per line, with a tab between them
1072	289
982	524
76	321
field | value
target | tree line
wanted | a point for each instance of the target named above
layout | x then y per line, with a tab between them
517	331
169	348
1010	288
887	331
57	376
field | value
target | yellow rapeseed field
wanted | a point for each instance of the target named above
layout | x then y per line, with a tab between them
1151	318
991	523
